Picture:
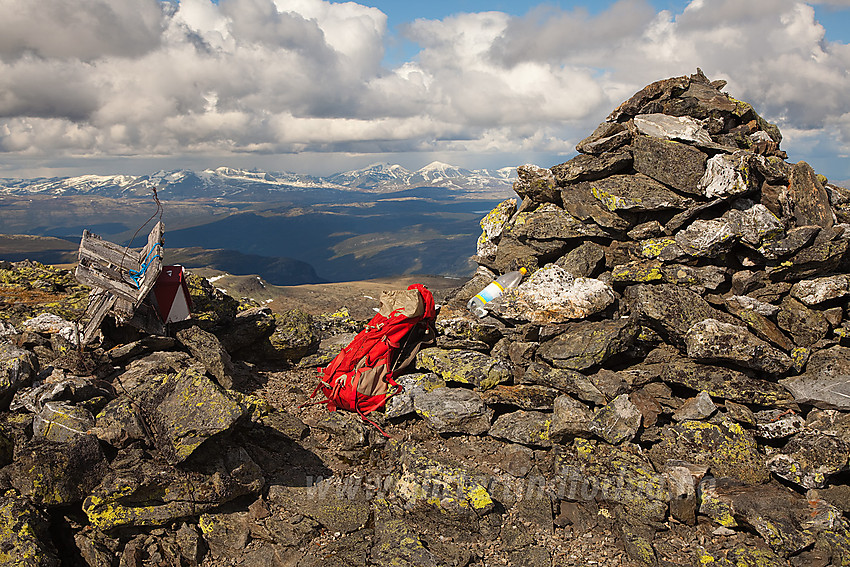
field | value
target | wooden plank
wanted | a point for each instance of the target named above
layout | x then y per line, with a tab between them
100	302
95	248
93	279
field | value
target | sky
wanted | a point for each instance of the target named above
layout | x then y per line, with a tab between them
311	86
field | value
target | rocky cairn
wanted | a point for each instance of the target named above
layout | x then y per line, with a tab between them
668	386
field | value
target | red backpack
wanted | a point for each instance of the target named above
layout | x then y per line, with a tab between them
361	377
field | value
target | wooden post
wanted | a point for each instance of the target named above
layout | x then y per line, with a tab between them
120	277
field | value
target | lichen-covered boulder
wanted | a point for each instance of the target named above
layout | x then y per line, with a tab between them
443	492
671	310
119	423
143	493
525	427
809	459
754	223
711	341
210	306
617	421
725	446
607	137
564	380
453	410
18	366
809	199
570	419
206	348
494	223
25	539
637	193
553	295
183	410
58	474
464	366
586	344
412	386
675	164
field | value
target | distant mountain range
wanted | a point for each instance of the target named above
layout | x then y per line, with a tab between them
225	182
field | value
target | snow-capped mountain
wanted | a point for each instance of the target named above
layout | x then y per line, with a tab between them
224	182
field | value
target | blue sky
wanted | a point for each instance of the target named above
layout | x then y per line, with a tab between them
133	86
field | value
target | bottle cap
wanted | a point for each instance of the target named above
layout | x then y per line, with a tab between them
523	270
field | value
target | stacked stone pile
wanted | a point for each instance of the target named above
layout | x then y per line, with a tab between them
668	386
683	331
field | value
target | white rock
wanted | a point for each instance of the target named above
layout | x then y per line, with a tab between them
683	128
726	175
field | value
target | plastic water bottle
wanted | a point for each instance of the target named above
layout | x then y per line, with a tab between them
493	290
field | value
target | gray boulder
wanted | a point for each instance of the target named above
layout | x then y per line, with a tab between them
585	167
494	223
809	199
18	366
637	193
616	422
711	341
453	410
678	165
707	238
728	176
570	419
524	427
607	137
818	290
586	344
534	183
464	366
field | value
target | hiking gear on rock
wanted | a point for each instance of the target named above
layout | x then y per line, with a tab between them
361	378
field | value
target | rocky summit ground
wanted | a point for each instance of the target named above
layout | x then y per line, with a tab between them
667	386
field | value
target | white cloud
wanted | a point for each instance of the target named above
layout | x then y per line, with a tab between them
143	78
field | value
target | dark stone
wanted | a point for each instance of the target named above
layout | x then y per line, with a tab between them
567	381
453	410
660	91
585	167
806	326
607	137
726	447
206	348
548	223
530	428
537	184
675	164
58	474
248	327
579	202
183	410
810	202
522	396
25	538
638	193
671	310
586	344
17	369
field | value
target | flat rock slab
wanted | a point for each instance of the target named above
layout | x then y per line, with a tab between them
727	448
551	222
818	290
826	382
675	164
586	344
524	427
638	193
711	340
523	396
589	167
464	366
564	380
707	238
682	128
453	410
